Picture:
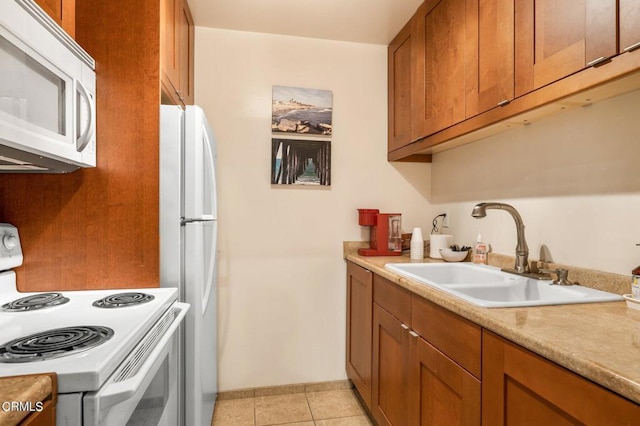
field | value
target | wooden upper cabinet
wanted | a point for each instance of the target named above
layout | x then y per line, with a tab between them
440	77
63	12
399	89
177	57
557	38
629	25
490	67
464	53
169	42
470	56
186	39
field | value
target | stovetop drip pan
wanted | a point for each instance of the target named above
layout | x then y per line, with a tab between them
54	343
35	302
122	300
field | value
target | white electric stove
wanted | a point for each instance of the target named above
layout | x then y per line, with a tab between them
114	351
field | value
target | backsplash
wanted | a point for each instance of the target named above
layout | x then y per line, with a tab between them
605	281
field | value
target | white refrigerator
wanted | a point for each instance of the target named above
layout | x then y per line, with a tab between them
188	252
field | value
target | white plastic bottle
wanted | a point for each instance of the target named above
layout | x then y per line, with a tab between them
480	250
417	245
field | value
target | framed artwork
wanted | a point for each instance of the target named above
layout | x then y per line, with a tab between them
300	162
301	129
302	111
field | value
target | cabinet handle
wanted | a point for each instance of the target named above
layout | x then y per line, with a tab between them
404	326
632	47
413	334
598	61
503	103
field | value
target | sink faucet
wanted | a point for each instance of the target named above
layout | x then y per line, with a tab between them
522	251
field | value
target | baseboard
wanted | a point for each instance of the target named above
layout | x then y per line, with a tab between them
285	389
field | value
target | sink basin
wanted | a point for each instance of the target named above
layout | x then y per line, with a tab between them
490	287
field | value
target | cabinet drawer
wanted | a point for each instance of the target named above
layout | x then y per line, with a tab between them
393	298
456	337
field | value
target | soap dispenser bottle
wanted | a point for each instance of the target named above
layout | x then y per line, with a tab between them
480	250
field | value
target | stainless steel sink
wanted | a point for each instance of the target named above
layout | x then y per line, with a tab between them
490	287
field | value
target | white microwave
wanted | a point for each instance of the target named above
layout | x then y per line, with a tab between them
47	94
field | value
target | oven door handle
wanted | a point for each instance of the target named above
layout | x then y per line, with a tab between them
116	392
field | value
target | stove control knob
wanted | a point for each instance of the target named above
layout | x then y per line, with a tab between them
9	241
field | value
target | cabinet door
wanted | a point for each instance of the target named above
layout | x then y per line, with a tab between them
390	358
169	44
441	392
186	39
629	25
399	88
490	68
359	320
440	81
522	388
177	57
557	38
63	12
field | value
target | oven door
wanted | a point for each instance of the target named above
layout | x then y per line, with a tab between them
144	388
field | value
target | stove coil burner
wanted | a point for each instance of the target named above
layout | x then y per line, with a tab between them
35	302
122	300
54	343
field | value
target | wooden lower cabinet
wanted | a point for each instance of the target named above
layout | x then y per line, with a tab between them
46	417
413	381
522	388
359	320
389	402
417	363
440	391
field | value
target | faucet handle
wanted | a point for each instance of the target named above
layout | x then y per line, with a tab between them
562	274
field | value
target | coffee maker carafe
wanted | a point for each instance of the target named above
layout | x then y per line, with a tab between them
385	235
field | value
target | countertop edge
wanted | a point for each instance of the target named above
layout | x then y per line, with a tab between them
26	389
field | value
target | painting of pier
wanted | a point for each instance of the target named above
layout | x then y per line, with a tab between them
300	162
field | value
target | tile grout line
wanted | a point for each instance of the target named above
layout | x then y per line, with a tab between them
306	398
255	414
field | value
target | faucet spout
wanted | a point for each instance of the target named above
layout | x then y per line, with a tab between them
522	251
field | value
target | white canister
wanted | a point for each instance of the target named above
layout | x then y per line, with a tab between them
437	242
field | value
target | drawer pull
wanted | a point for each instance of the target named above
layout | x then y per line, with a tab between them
632	47
413	334
404	326
503	103
598	61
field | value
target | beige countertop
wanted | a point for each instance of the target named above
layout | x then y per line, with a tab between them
600	341
31	389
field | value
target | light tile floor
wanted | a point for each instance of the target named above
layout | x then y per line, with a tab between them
325	408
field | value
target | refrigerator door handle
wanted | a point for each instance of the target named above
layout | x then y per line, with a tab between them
203	218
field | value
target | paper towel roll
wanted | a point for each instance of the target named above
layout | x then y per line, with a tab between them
437	242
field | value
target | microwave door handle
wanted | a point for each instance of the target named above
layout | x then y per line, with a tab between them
114	393
84	139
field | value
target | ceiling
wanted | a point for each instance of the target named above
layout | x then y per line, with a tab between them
361	21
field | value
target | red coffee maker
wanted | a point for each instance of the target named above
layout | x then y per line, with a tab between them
386	232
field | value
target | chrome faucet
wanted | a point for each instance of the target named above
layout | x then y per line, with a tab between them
522	251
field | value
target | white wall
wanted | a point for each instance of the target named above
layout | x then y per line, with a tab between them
282	276
574	178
